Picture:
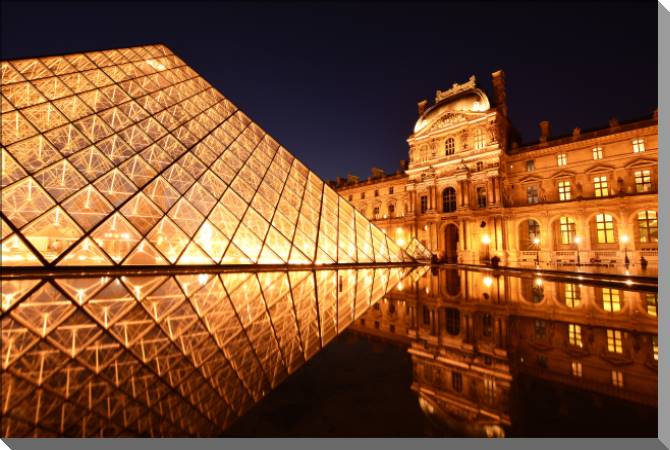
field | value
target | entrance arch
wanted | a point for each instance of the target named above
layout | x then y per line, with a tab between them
451	243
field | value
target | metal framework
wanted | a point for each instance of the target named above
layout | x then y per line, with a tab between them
129	157
166	355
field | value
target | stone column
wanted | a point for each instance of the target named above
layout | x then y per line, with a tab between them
466	193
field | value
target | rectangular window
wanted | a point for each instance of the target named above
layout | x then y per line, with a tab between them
647	222
490	388
426	315
614	341
643	181
487	322
564	190
562	159
638	145
480	166
611	300
362	195
617	378
351	197
575	335
391	190
533	195
530	165
654	345
375	212
481	197
457	381
568	229
597	153
424	204
376	193
576	369
540	329
480	139
604	228
391	210
652	303
600	186
572	299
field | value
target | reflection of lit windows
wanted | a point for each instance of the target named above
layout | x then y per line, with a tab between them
457	381
453	321
564	191
648	224
617	378
572	299
643	180
638	145
600	186
651	300
540	329
426	315
487	323
604	229
611	300
490	388
597	153
575	335
576	369
614	341
654	345
567	229
562	159
450	146
533	195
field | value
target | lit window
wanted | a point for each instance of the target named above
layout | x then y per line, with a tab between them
604	228
572	299
648	225
575	335
611	300
564	190
562	159
457	381
490	388
533	230
617	378
654	345
481	197
480	140
597	153
614	341
576	369
449	200
638	145
450	147
600	186
643	181
567	230
652	303
424	204
530	165
533	195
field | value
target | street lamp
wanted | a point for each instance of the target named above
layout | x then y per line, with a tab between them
536	241
578	241
486	240
624	239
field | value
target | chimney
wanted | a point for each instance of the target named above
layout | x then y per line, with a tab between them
377	172
576	133
545	129
614	122
499	94
422	106
352	179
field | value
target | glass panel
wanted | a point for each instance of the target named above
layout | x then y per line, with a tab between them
52	234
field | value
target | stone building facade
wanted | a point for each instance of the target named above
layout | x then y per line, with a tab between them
469	191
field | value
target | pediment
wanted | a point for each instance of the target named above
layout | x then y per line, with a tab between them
564	174
530	179
640	162
598	168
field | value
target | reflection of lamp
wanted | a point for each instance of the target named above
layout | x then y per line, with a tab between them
536	241
624	239
486	240
578	241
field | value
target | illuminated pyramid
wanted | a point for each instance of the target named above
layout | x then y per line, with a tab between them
129	157
418	251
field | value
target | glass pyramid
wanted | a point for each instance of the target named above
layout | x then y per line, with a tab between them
129	157
166	355
418	251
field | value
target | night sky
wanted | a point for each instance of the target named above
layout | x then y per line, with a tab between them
337	83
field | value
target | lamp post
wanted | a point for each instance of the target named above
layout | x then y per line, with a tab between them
486	240
578	240
624	239
536	241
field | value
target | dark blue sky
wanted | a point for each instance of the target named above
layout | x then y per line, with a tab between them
337	83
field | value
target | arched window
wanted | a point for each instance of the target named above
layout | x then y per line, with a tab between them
453	321
647	221
480	141
533	230
450	146
604	229
567	230
449	200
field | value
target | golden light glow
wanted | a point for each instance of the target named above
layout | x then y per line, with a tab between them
488	281
486	239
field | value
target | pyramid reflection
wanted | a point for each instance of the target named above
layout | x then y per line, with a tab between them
165	354
129	157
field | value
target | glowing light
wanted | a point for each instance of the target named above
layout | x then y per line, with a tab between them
536	241
624	239
578	240
488	281
486	239
538	282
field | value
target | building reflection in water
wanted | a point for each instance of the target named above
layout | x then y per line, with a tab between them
473	335
165	354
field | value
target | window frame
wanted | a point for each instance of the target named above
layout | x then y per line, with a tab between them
564	190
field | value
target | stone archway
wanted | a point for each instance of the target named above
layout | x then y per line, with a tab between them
451	243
